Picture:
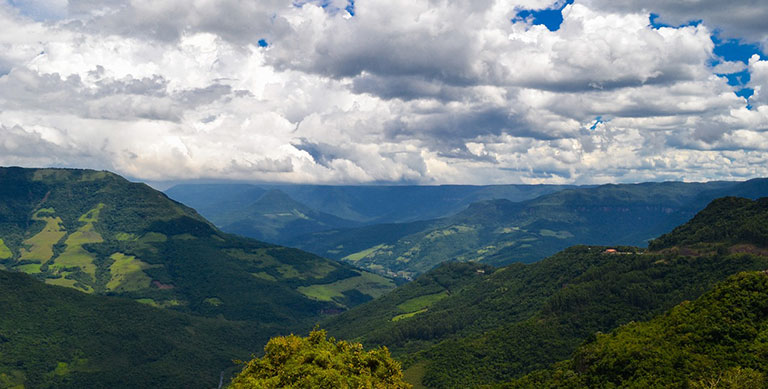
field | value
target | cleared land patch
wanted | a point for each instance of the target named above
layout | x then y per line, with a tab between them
421	302
5	252
41	245
75	255
365	253
128	273
69	283
30	268
407	315
367	283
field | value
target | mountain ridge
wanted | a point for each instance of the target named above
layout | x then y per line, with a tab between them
504	323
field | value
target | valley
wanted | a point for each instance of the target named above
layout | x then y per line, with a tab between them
497	317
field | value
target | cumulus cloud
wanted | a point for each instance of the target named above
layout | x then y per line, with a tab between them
738	19
420	92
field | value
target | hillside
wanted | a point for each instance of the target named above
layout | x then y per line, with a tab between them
499	232
717	340
725	220
277	218
98	233
498	325
57	337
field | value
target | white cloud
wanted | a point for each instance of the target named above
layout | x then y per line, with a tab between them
739	19
404	91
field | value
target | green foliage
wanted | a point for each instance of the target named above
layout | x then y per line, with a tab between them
726	220
98	233
58	337
319	362
718	341
503	324
5	252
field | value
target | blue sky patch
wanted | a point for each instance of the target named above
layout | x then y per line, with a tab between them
598	120
550	18
655	23
736	50
350	7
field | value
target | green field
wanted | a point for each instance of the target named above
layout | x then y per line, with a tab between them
127	273
41	245
5	252
30	268
421	302
363	254
407	315
69	283
367	283
75	255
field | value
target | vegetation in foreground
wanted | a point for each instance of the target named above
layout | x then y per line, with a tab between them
319	362
718	341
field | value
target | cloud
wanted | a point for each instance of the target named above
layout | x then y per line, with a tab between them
418	92
739	19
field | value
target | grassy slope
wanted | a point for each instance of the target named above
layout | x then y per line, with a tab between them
52	336
524	317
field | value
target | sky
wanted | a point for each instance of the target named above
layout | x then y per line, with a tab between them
388	91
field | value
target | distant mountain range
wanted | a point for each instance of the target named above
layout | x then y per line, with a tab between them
497	225
501	232
281	213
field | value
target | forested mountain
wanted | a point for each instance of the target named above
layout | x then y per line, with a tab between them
58	337
717	341
275	217
464	325
98	233
500	232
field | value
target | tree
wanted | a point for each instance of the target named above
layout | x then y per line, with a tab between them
320	362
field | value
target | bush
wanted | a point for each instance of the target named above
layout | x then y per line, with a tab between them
320	362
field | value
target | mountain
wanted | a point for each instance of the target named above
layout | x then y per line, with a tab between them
211	200
376	204
98	233
275	217
725	220
52	336
718	340
272	212
464	325
499	232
